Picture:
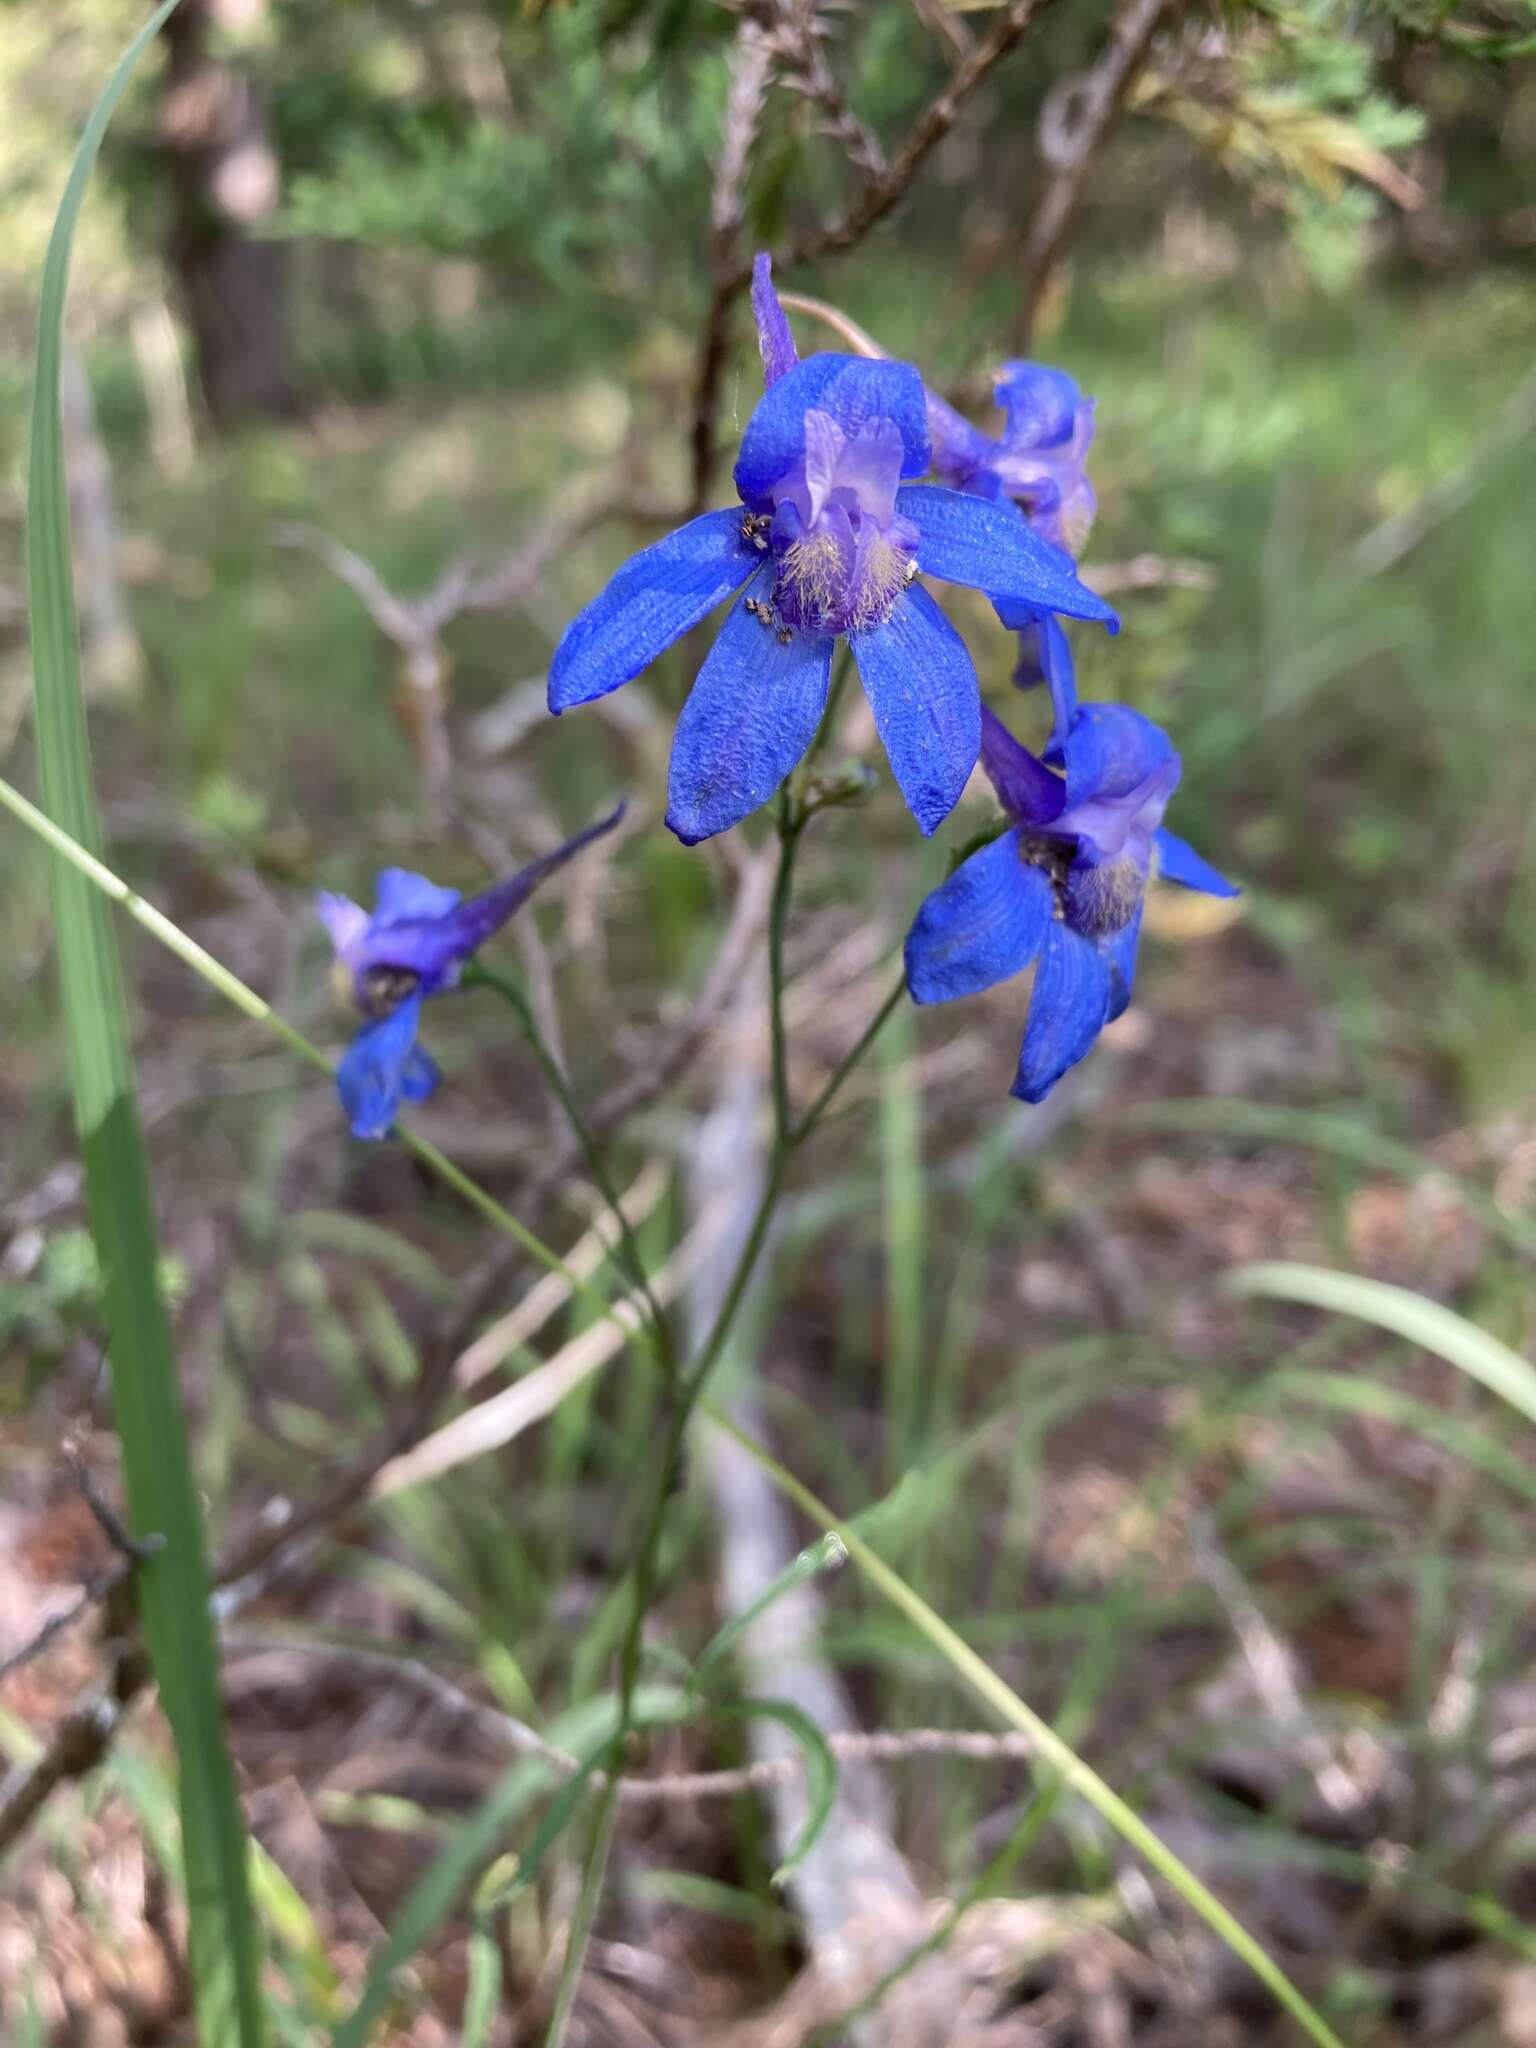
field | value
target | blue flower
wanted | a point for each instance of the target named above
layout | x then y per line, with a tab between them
828	540
1064	884
1037	462
411	946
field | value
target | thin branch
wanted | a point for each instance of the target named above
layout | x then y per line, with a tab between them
881	194
1075	122
78	1745
743	113
795	32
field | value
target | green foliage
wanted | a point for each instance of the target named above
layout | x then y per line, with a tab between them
589	155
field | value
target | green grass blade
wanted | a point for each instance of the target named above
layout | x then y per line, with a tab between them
162	1496
821	1777
448	1877
1405	1314
995	1693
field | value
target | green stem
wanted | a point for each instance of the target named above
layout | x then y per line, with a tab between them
791	822
849	1061
630	1254
580	1933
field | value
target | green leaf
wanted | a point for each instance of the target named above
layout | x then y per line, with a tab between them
826	1556
820	1769
161	1492
1405	1314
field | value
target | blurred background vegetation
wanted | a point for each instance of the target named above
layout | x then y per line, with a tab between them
424	280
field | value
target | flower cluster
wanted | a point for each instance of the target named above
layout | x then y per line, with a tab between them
828	540
832	534
1062	885
410	947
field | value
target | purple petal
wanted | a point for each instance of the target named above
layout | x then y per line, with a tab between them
474	922
434	948
856	393
344	920
775	341
986	923
959	449
403	898
1111	751
1044	406
652	601
1026	789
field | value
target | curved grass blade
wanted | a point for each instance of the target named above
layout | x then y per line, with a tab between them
1425	1323
820	1769
1062	1758
161	1493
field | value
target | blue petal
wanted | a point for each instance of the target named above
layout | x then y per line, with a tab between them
1041	404
1026	789
752	712
1067	1011
987	922
856	393
652	601
1120	957
965	539
1110	751
1177	861
927	705
421	1075
404	898
372	1077
775	341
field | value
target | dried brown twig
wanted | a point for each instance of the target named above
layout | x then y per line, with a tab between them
415	625
743	112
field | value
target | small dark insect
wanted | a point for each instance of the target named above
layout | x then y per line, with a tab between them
754	528
758	609
912	572
783	635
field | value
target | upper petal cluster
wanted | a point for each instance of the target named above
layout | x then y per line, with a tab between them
828	541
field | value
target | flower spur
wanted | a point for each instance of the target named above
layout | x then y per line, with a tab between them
829	537
410	947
